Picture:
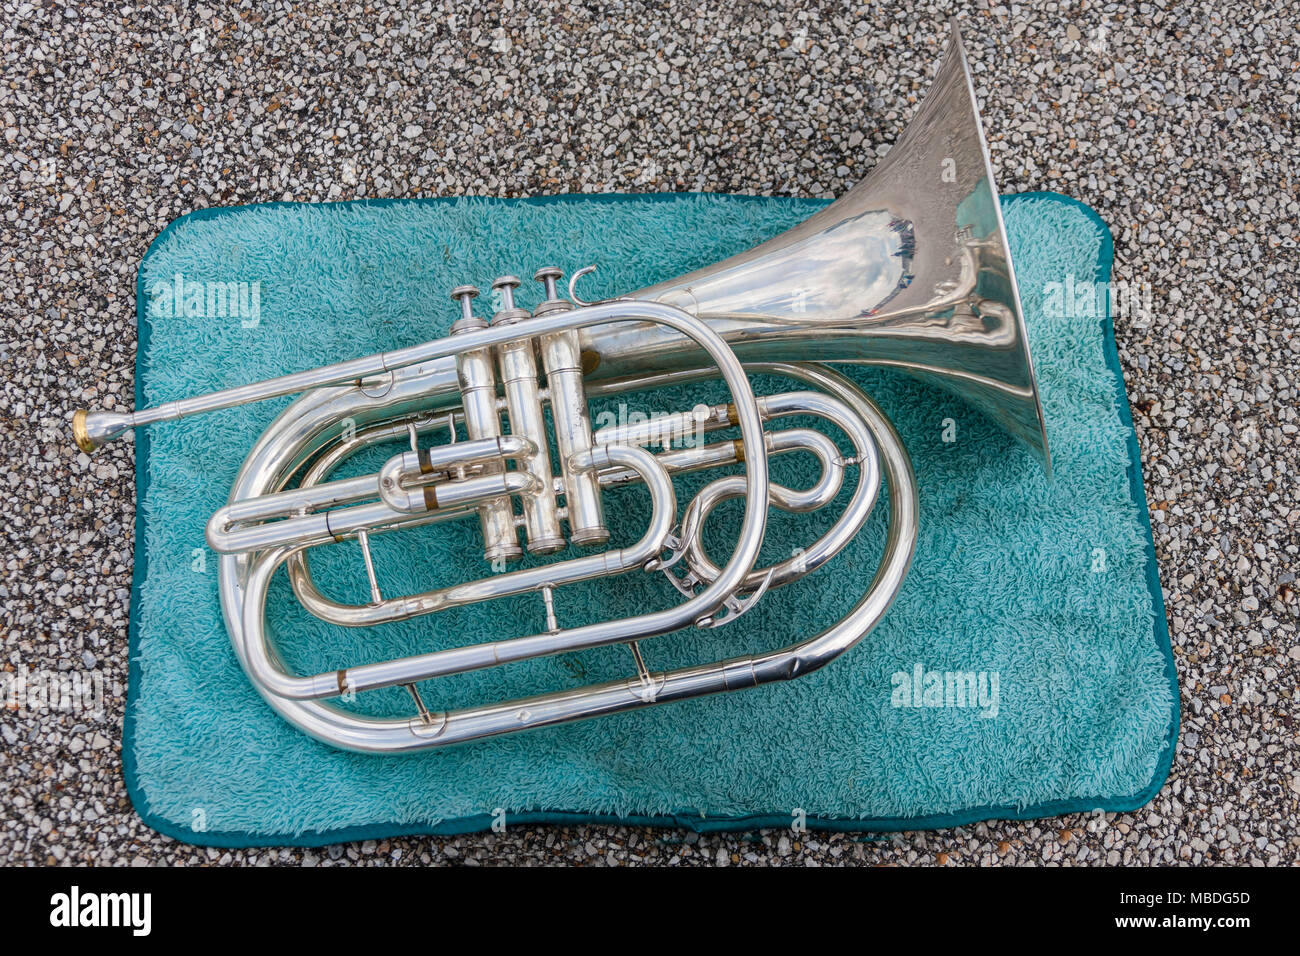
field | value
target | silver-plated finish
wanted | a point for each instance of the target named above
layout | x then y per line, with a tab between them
669	427
523	400
351	731
548	276
265	469
582	501
908	270
239	527
524	404
474	656
848	419
478	397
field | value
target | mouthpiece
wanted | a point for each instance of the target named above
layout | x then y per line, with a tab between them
93	430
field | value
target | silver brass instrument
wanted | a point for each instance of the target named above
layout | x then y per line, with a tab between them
908	270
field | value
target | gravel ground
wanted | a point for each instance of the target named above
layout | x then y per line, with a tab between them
1178	122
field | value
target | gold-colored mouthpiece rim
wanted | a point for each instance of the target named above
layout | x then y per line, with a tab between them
79	433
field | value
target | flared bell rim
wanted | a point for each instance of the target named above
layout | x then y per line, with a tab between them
956	50
901	271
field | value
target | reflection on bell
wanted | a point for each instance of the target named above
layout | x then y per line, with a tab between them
910	269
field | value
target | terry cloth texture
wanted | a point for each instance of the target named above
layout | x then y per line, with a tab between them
1044	591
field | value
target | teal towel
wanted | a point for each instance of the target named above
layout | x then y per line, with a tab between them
1045	590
